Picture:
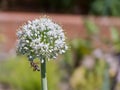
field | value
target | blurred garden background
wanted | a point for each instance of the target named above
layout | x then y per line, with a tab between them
92	28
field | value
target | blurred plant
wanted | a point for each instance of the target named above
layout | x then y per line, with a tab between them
106	7
115	42
84	78
15	73
91	67
80	48
91	28
115	39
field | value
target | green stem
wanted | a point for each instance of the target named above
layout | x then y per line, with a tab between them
106	82
43	76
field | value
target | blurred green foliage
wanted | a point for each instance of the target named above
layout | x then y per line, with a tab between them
115	35
95	74
84	79
96	7
106	7
91	28
18	74
115	38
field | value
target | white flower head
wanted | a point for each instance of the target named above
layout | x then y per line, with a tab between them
41	38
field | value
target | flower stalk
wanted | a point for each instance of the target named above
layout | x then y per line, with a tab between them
43	76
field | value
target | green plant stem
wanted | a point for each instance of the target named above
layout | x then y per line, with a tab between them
43	76
106	82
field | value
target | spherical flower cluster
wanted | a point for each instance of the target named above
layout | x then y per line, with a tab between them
41	38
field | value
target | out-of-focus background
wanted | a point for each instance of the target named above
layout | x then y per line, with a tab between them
92	29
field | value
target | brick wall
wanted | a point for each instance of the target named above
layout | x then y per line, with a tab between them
72	24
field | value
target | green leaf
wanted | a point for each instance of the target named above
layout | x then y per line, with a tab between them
91	27
114	35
